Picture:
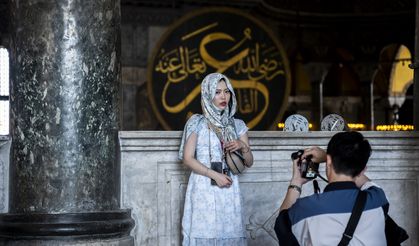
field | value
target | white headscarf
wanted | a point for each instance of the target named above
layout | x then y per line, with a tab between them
221	121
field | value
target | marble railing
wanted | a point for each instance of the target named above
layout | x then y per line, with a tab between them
4	173
154	181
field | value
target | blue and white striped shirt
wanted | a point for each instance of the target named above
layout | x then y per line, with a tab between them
320	219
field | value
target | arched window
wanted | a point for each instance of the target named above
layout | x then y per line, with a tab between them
4	92
391	81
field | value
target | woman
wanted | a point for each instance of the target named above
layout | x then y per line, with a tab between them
213	214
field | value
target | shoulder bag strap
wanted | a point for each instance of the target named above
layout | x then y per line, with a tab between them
354	219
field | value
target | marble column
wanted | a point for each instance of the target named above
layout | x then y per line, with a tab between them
64	168
317	103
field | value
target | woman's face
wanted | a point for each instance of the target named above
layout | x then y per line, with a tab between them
222	95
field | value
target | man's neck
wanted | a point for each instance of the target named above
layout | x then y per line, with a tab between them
340	178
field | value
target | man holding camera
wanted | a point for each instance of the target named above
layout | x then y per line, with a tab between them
321	219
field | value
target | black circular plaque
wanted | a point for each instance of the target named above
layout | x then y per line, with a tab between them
226	41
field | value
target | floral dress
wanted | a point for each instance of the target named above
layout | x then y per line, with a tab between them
212	215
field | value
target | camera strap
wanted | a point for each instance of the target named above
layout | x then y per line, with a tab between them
224	166
325	180
354	219
316	187
209	142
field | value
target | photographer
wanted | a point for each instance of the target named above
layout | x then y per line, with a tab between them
321	219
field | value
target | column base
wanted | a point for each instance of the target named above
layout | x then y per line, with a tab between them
71	227
125	241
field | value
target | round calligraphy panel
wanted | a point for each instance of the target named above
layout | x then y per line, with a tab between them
296	123
333	122
226	41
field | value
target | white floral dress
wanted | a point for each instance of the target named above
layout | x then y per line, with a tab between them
212	215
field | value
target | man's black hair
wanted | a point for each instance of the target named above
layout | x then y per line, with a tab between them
349	152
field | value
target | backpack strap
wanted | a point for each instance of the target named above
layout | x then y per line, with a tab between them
354	219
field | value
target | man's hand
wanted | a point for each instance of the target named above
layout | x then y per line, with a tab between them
318	154
296	174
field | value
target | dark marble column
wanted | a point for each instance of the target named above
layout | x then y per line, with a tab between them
317	104
64	171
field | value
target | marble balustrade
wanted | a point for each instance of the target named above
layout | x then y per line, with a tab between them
153	181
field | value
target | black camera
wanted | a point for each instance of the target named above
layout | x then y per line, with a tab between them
308	168
218	167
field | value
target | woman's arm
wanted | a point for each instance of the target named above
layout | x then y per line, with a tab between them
190	161
242	144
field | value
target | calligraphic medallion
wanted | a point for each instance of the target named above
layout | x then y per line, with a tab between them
296	123
226	41
333	122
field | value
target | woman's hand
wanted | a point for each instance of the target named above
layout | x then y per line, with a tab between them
236	144
222	180
243	145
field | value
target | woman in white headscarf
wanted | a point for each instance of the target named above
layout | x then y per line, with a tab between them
213	213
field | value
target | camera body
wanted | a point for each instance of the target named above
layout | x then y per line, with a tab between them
218	167
308	168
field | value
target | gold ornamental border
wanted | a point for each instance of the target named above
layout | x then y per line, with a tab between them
198	12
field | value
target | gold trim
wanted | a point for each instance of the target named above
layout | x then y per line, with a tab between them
199	31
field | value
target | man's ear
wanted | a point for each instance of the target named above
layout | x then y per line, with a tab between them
329	165
328	160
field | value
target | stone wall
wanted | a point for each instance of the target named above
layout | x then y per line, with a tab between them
154	181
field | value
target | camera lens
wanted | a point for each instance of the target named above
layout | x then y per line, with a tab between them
297	155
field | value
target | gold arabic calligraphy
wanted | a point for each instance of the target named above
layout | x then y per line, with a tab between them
180	63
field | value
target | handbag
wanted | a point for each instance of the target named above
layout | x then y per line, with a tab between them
235	161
